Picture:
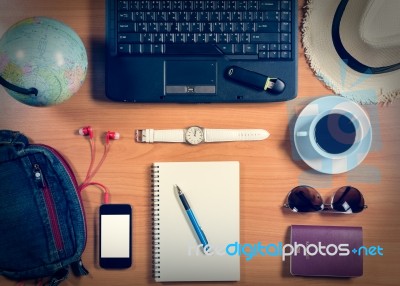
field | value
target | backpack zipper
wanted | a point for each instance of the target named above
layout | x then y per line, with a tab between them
48	198
72	178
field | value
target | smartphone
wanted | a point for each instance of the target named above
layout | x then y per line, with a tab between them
115	236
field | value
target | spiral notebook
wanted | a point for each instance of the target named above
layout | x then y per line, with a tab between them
212	190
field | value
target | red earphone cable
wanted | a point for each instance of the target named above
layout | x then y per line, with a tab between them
92	159
106	192
92	172
103	158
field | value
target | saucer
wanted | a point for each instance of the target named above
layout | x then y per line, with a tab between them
310	156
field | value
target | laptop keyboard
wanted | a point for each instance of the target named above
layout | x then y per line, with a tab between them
241	29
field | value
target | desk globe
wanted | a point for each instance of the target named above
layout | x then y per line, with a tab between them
43	58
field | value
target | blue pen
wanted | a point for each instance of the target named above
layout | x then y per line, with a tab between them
195	224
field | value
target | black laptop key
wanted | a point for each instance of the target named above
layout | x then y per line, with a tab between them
238	49
157	48
269	5
285	5
265	38
286	55
273	47
191	49
226	16
249	27
250	49
196	27
150	16
285	16
241	5
124	49
285	38
272	16
154	5
252	5
136	49
134	5
203	16
124	16
129	38
146	49
144	5
180	38
273	55
267	27
187	5
199	5
285	27
126	27
227	49
138	16
146	38
123	5
263	55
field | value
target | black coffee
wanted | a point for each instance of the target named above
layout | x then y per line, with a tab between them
335	133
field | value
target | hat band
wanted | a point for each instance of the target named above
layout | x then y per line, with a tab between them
345	55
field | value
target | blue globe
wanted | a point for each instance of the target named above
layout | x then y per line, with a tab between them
43	58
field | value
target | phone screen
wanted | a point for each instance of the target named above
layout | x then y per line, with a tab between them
115	236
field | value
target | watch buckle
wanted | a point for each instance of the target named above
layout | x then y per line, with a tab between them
140	136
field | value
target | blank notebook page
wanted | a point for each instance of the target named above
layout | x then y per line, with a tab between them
212	191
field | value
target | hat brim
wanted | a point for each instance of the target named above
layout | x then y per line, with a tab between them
332	69
367	35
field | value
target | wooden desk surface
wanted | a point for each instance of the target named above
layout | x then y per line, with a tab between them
268	169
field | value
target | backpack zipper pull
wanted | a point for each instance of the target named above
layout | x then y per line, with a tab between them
38	176
78	269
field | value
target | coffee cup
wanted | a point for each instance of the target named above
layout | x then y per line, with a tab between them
334	134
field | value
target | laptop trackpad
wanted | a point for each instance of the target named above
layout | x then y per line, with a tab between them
190	77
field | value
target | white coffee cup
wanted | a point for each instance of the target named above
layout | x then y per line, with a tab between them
333	134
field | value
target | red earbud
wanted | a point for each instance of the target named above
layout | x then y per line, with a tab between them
112	135
86	131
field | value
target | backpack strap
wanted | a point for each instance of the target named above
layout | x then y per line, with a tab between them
12	143
15	138
59	277
78	269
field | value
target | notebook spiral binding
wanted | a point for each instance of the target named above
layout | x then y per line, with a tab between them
155	223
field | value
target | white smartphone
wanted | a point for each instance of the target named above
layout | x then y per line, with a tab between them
115	236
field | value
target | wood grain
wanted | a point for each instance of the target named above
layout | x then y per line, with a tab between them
269	169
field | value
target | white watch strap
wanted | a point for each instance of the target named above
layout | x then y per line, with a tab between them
219	135
171	135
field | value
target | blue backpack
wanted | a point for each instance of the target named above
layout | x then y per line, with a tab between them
42	221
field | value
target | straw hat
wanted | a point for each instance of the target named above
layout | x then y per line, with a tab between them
353	46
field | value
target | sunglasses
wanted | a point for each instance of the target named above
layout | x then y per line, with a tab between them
347	199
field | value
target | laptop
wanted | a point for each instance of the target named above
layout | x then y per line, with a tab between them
201	51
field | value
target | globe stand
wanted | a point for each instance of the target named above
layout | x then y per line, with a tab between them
26	91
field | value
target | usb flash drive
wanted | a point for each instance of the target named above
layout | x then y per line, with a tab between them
255	80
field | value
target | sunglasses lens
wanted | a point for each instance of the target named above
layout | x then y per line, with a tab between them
348	199
305	199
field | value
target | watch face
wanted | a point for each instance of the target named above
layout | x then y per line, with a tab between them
194	135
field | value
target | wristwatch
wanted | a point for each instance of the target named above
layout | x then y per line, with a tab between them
195	135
